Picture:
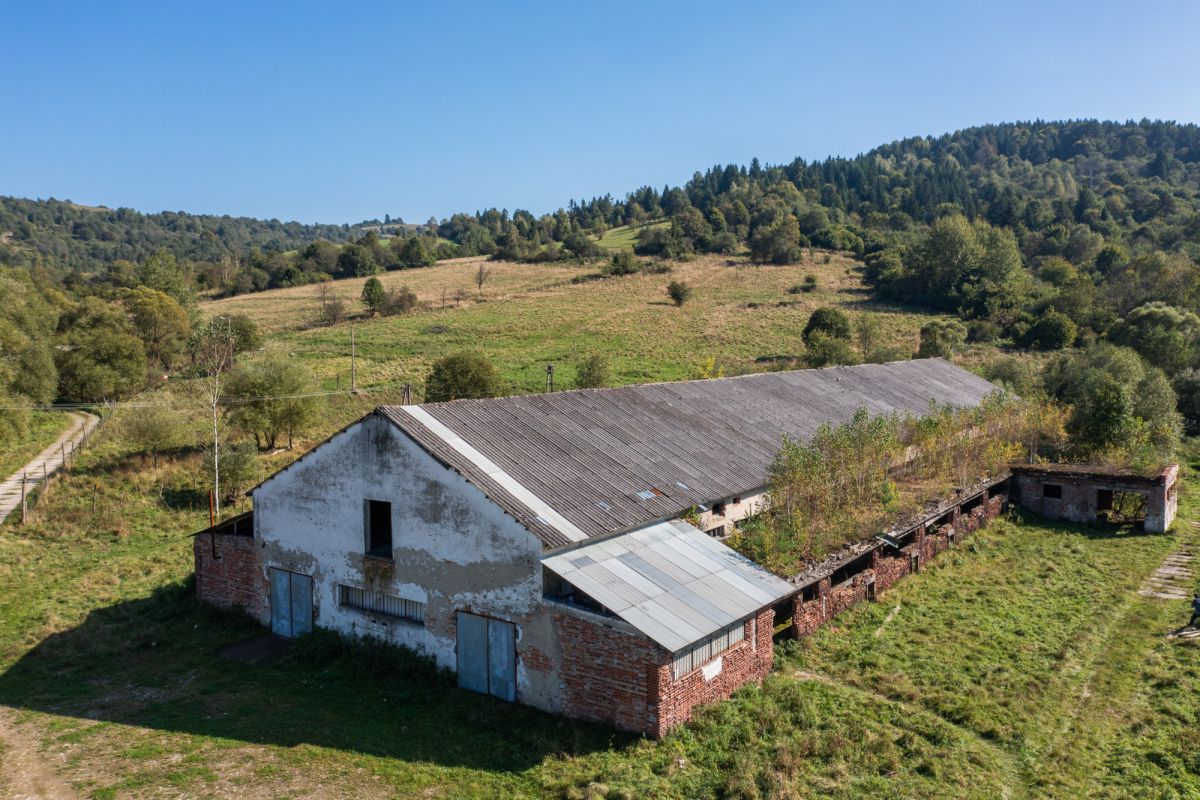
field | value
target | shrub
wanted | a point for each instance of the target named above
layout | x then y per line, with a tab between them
940	338
398	301
831	322
593	372
462	376
679	292
824	350
623	263
334	311
983	331
1187	390
1053	331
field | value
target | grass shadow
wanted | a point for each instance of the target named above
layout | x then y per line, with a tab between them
153	663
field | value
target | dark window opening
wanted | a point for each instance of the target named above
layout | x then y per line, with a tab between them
379	528
1104	499
562	591
1052	491
717	532
971	504
718	509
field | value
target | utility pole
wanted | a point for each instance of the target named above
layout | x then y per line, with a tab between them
549	378
353	366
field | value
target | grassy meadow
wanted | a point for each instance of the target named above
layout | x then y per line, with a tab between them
742	316
44	428
1022	664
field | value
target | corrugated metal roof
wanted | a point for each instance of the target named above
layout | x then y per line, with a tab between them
609	460
672	582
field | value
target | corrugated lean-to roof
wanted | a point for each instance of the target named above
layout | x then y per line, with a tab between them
671	581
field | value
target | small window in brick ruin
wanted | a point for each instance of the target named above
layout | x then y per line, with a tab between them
379	528
707	649
1052	491
716	532
718	509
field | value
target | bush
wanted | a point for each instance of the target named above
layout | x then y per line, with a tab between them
940	338
679	292
983	331
1187	390
462	376
334	311
623	263
831	322
823	350
239	469
398	301
593	372
1053	331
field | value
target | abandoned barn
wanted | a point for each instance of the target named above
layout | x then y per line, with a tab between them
537	546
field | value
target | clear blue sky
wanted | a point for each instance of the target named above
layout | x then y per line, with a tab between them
338	112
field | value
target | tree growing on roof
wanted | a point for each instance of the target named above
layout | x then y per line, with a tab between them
462	376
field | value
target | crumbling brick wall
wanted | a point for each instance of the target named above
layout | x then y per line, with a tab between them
229	573
608	675
887	566
748	660
625	680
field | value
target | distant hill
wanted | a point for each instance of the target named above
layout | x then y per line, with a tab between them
70	237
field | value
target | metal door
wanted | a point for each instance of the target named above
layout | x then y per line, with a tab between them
281	603
487	656
291	603
472	652
301	605
502	656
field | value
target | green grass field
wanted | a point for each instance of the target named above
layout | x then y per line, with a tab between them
625	236
44	428
1022	664
742	317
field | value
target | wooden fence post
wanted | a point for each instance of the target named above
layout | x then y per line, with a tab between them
24	498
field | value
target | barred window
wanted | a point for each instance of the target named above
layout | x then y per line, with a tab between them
706	650
380	603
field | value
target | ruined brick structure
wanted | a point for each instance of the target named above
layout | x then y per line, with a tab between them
1082	493
864	573
229	572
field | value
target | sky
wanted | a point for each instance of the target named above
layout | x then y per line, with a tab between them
340	112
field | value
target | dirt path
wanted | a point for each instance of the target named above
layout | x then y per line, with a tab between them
46	463
24	771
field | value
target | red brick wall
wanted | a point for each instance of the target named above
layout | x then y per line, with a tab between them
608	675
625	680
810	615
234	579
748	660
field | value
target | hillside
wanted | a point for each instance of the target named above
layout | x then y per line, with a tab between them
68	237
742	318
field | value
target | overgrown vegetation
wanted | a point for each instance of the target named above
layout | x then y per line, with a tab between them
853	481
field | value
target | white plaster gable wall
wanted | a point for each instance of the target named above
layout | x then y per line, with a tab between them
453	548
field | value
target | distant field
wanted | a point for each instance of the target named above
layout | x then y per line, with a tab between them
44	428
741	315
624	237
299	307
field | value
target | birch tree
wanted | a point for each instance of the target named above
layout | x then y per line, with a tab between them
213	346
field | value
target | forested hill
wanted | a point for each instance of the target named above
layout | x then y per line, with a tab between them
67	237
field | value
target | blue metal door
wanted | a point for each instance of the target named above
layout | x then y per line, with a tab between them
281	603
301	604
502	656
291	603
472	652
